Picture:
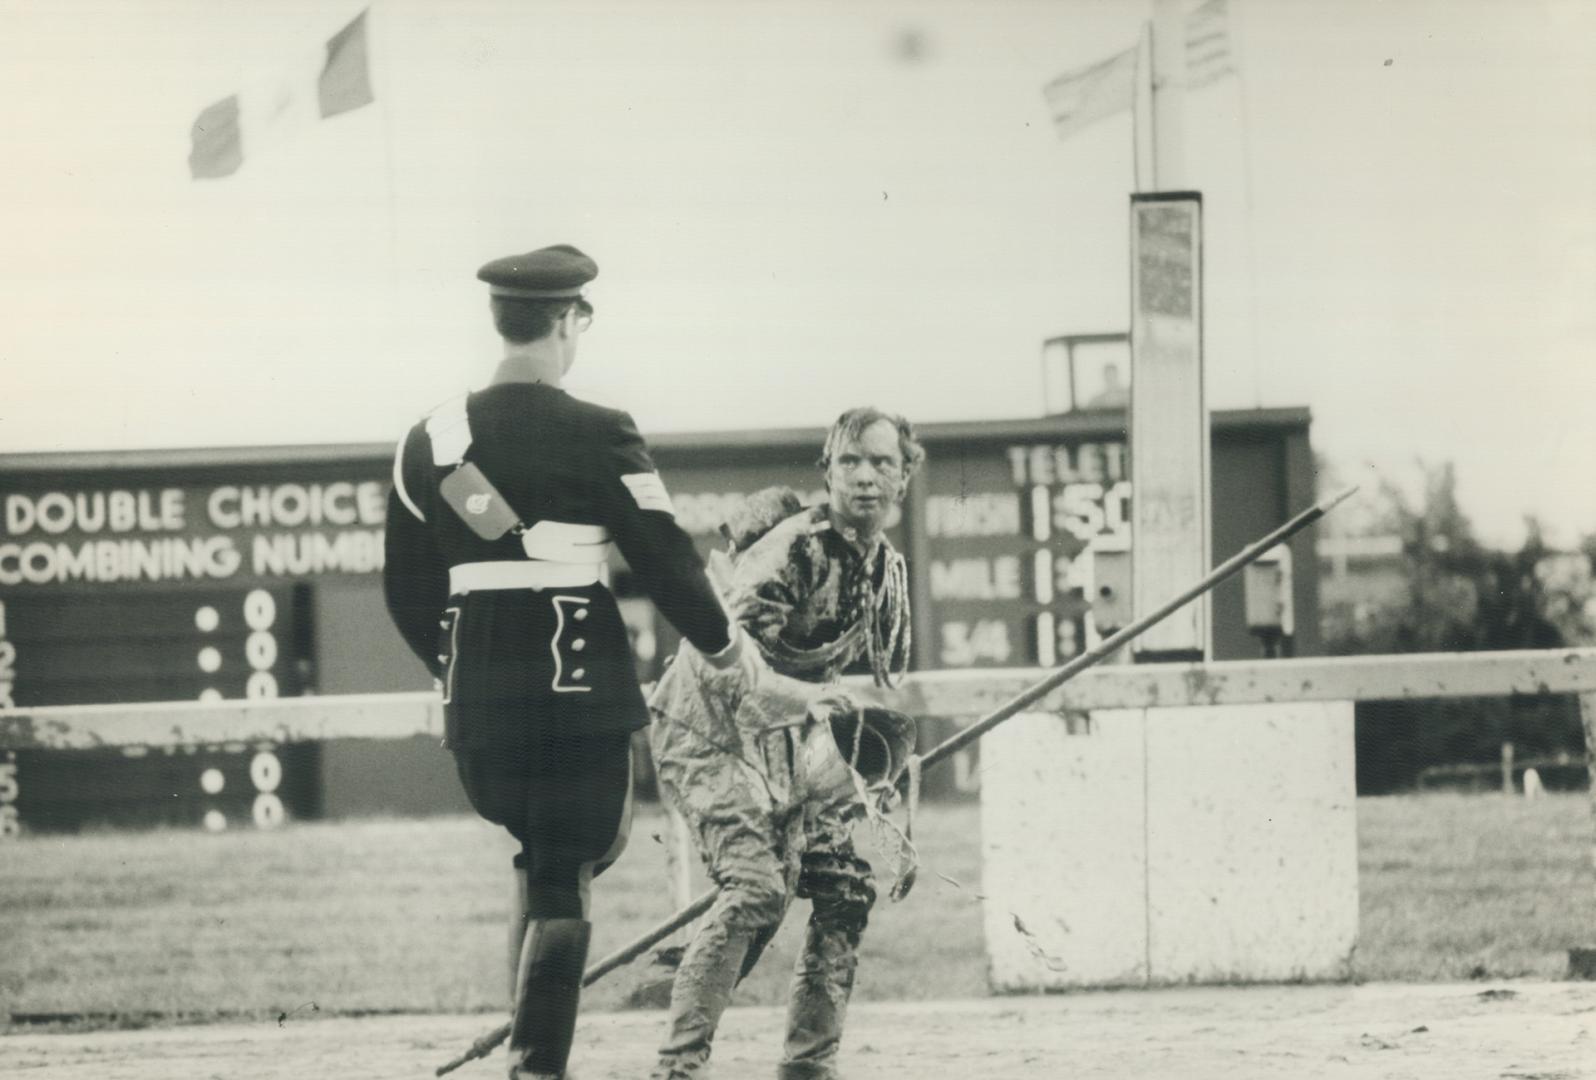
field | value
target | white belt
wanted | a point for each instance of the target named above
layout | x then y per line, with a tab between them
478	576
564	542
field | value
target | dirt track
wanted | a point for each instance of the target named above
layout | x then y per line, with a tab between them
1522	1031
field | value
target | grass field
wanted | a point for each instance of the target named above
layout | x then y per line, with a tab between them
412	915
1473	886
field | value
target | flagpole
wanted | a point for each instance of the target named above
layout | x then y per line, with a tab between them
383	60
1168	91
1142	148
1240	70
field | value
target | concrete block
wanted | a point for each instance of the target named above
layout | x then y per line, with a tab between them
1148	846
1252	850
1063	851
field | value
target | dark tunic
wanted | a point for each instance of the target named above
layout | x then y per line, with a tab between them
554	662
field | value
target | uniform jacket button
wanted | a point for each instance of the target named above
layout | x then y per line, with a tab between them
579	644
581	613
578	673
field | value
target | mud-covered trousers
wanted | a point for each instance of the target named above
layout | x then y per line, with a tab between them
761	861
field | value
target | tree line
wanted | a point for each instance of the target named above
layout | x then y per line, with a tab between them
1452	593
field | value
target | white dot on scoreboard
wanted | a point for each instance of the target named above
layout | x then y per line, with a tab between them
207	619
212	781
261	684
215	820
265	771
267	811
210	693
261	649
210	659
259	609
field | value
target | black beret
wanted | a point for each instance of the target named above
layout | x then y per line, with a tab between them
549	273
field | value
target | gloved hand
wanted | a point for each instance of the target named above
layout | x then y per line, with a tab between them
742	656
831	703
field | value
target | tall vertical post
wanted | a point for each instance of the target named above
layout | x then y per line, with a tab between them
1142	126
1168	94
1587	715
1169	433
1582	958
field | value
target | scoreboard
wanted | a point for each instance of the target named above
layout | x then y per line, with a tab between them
256	573
201	643
1009	540
182	576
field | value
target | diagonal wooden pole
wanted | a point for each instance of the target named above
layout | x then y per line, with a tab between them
485	1044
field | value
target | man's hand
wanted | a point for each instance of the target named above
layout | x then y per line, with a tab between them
831	703
742	655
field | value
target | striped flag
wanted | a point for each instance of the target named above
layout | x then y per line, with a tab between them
1080	98
334	79
1208	54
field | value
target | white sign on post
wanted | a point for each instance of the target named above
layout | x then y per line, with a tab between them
1168	421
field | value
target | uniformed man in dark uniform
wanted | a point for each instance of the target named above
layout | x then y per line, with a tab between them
505	503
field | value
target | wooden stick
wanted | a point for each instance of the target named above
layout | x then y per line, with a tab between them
624	955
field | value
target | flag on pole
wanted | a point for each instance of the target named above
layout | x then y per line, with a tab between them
345	80
1078	99
1208	53
334	79
1082	97
217	148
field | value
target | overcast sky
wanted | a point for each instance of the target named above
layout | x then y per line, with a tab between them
798	207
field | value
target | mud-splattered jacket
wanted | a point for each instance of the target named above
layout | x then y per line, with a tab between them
802	591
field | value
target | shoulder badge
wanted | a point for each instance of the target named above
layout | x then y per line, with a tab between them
648	491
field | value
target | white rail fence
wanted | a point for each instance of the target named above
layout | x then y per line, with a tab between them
1142	824
958	694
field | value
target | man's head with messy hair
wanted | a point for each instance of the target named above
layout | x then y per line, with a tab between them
851	424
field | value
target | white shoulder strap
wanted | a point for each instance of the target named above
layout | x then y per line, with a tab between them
449	428
399	480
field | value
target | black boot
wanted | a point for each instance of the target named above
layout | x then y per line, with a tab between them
549	986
